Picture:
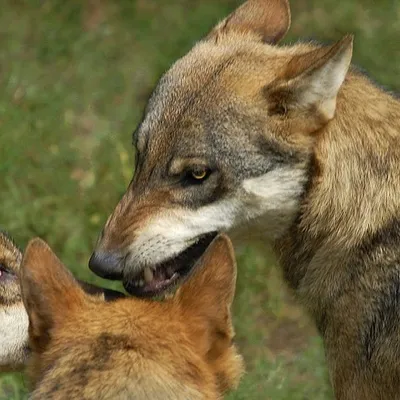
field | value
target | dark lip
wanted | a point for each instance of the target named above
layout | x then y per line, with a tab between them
184	264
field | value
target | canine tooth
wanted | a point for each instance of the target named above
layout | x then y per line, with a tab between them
148	275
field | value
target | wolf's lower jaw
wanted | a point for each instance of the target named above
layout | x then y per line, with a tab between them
155	280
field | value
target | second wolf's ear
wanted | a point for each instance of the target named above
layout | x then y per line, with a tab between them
209	292
205	300
267	19
48	291
309	86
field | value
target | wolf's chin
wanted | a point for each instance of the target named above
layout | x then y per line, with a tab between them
163	278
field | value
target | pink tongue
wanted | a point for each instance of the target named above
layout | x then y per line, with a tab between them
160	278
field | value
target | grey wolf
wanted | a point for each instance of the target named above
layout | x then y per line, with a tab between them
292	143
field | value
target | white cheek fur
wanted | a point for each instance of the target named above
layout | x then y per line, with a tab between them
165	236
14	324
271	199
275	192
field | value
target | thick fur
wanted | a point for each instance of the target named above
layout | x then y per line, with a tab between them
83	347
300	147
14	349
13	318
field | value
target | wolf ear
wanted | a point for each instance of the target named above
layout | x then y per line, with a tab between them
205	300
209	292
48	291
268	19
310	84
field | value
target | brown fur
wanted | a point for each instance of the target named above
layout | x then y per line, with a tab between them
323	139
85	348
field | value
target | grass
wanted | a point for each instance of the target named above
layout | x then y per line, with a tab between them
74	79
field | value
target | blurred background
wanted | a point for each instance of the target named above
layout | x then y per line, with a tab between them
75	76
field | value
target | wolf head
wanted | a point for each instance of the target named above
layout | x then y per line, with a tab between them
225	141
13	318
83	347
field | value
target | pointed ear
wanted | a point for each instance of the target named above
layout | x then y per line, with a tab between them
211	288
206	297
48	291
267	19
310	84
206	300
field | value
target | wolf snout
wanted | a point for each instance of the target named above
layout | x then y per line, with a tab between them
107	265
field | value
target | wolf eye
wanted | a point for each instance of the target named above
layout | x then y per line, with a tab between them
196	176
199	174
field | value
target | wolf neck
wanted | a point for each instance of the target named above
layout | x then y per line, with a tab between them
353	191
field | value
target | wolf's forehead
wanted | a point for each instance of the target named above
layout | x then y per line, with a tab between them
208	80
189	83
201	76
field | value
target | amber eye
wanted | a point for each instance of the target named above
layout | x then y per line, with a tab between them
199	174
196	175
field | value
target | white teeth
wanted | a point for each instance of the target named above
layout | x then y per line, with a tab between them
148	274
138	283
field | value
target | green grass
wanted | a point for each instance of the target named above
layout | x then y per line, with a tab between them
74	78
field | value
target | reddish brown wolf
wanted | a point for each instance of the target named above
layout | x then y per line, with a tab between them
85	348
289	142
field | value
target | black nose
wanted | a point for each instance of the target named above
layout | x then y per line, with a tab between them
107	265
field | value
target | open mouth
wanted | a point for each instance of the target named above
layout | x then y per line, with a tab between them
158	279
